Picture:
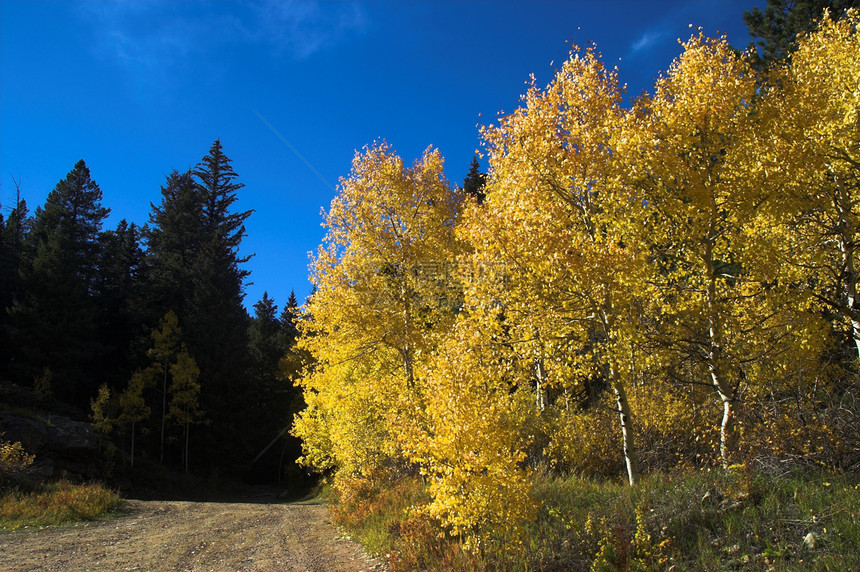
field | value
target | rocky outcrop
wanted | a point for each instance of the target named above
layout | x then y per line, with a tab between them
64	448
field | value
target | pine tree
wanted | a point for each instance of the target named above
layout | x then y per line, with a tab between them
54	317
268	394
263	335
289	321
216	322
475	181
195	270
119	294
215	182
174	238
13	233
778	26
294	359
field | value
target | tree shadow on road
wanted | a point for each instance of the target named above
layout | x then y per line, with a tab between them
155	482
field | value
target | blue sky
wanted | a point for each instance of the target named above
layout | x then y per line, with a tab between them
292	89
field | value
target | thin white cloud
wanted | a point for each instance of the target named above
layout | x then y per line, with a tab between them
675	24
144	35
646	41
157	35
302	28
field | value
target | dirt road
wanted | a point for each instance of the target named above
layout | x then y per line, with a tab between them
168	536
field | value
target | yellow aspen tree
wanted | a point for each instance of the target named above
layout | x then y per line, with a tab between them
105	413
809	163
556	217
100	415
381	301
717	301
165	347
133	407
471	445
185	397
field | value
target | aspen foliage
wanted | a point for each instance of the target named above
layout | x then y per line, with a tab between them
166	341
801	156
103	423
808	161
132	405
184	389
558	219
718	301
15	464
185	397
380	305
471	446
655	285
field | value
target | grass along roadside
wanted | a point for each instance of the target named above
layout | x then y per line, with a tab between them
384	515
738	519
25	502
55	503
718	520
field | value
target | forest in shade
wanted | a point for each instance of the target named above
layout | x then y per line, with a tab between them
143	329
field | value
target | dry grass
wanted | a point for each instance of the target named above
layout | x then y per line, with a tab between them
56	503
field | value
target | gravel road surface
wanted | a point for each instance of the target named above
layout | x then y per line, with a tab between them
172	535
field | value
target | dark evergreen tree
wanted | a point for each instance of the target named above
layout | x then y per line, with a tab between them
217	323
293	360
119	295
276	363
289	322
475	181
268	394
54	315
174	239
263	334
195	270
777	27
13	232
292	364
215	181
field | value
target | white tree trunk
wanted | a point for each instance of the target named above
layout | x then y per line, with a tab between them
628	442
540	384
727	432
855	331
846	242
714	357
631	459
